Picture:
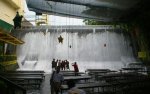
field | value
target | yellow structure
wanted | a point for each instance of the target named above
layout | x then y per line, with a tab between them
8	9
6	37
141	54
41	19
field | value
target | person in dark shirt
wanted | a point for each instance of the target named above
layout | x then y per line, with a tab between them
54	64
67	65
17	20
56	81
20	20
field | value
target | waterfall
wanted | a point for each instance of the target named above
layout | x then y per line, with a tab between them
90	48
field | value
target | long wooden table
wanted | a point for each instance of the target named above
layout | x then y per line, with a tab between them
100	86
25	78
13	86
67	71
90	70
78	79
97	73
131	69
72	73
83	77
24	73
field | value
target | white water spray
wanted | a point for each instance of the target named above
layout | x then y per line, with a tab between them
91	48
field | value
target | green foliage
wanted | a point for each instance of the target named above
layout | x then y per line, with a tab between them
122	25
94	22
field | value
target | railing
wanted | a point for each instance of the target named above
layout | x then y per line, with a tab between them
9	87
70	27
6	60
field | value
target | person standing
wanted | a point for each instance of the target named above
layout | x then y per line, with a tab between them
67	64
54	64
52	82
56	81
20	20
76	69
17	20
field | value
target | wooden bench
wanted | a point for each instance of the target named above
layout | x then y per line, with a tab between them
72	73
67	71
13	87
21	74
79	79
130	69
84	77
124	85
24	73
97	73
30	85
90	70
26	80
99	86
120	76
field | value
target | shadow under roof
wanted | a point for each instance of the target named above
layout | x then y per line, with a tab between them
103	10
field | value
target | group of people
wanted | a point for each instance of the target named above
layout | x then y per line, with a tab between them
63	64
57	78
56	81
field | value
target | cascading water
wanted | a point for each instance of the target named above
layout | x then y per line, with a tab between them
89	47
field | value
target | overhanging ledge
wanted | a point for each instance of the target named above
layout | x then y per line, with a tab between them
6	37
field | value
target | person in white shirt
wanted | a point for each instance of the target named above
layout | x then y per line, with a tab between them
73	89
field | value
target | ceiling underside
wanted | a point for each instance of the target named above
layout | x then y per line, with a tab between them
103	10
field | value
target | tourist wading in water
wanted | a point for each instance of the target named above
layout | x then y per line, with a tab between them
56	81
